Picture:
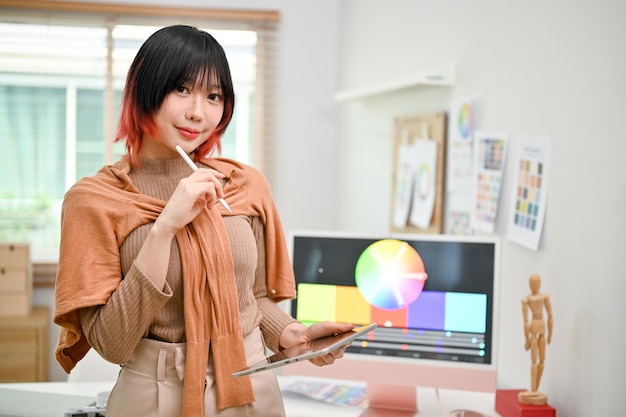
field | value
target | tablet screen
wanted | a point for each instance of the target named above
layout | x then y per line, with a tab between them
306	351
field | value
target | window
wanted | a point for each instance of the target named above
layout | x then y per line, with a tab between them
61	80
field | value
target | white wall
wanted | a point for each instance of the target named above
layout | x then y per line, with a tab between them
547	68
554	69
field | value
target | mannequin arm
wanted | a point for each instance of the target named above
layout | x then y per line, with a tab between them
526	324
550	324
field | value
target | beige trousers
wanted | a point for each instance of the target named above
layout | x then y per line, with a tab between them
150	384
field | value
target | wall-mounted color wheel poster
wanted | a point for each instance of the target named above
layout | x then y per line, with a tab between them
390	274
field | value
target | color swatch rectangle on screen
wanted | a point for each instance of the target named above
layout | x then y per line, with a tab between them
449	311
316	302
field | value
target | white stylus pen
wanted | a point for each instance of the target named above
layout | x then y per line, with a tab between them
195	168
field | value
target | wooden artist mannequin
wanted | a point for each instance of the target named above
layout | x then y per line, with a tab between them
535	335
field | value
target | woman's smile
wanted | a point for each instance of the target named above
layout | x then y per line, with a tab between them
189	133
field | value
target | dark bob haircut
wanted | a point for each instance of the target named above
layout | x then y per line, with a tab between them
172	56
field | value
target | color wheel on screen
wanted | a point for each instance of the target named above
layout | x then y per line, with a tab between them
390	274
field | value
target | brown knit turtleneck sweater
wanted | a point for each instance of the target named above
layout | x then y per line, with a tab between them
100	213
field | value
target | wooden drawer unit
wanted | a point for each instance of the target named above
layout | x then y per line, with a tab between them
24	347
16	279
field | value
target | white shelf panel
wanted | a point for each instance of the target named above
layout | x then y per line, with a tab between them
439	76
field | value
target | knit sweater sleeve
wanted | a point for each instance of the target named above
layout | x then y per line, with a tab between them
115	328
273	318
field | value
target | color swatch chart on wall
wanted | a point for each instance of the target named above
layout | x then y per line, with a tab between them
528	194
531	190
489	162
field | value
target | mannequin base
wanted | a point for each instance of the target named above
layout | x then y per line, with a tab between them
508	405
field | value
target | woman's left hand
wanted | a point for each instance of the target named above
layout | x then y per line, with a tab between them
297	333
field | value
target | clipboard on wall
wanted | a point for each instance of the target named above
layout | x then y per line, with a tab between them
419	149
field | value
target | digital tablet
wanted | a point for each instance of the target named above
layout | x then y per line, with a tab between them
310	350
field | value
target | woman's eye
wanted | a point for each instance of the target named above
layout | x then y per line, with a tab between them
214	97
182	89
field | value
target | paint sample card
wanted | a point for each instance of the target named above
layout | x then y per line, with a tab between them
460	144
530	194
424	183
343	394
489	161
462	122
405	177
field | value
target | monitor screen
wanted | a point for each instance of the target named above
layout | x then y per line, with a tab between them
433	297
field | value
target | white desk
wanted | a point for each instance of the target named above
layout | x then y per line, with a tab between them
48	399
51	399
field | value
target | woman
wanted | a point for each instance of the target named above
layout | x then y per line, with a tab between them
158	278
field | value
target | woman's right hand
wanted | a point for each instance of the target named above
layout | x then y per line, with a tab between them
201	189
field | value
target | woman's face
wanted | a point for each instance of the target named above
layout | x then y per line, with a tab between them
187	117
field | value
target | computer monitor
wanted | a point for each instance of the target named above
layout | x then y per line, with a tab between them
433	297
